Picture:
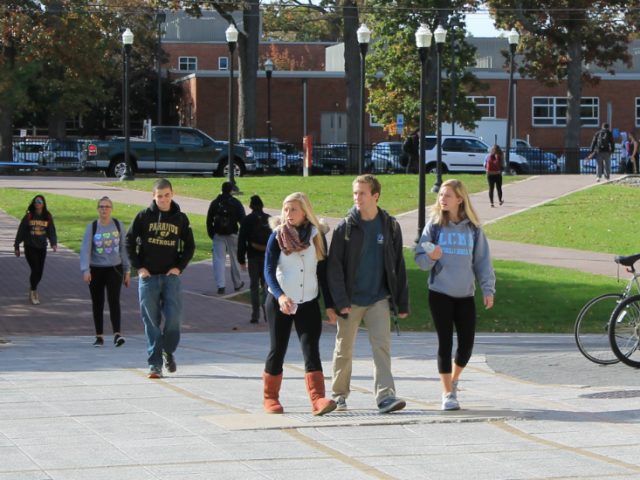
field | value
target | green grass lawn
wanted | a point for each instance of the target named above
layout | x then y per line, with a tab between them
330	195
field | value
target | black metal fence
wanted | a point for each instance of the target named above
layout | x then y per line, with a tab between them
42	153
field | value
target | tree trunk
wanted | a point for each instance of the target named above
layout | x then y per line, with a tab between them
574	97
6	135
248	60
57	125
352	79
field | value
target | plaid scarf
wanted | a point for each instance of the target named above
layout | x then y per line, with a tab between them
293	239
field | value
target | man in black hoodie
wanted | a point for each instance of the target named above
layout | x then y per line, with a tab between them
160	245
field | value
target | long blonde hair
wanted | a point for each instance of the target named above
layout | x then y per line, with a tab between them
305	204
465	210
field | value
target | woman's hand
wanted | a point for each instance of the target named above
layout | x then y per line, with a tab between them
143	273
17	252
86	277
488	301
436	254
54	248
286	304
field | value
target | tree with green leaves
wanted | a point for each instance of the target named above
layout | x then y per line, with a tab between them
559	39
393	76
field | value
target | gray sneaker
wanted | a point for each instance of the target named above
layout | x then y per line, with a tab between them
391	404
154	372
450	402
341	403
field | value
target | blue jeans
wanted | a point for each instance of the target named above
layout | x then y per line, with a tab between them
160	295
223	245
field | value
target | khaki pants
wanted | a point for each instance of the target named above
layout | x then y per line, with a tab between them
377	319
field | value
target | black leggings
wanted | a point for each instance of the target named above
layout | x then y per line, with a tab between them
446	312
495	181
35	258
111	279
308	324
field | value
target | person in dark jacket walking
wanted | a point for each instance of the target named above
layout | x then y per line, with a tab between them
223	218
35	228
160	245
602	146
252	242
367	280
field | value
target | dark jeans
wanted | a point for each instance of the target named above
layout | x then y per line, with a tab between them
256	282
35	258
308	323
446	312
109	278
495	181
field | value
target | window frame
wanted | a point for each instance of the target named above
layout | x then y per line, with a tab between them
226	66
490	104
556	108
187	61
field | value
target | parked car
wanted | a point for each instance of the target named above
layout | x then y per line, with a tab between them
385	158
280	160
63	155
27	150
589	166
539	160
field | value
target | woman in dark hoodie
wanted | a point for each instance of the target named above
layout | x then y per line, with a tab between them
34	230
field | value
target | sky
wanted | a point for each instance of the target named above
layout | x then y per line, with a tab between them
481	25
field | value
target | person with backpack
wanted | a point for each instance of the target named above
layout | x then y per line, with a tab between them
252	242
493	164
602	146
368	281
104	265
223	219
35	228
454	249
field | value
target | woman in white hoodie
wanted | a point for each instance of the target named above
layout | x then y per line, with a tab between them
294	270
454	248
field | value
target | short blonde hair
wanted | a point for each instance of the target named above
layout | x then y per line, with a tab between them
466	209
305	204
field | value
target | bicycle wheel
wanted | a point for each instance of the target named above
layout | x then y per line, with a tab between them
592	328
624	331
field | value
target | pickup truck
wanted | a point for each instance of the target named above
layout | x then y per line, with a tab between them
169	149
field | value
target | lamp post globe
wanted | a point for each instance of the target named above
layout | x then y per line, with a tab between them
513	38
268	69
423	42
364	37
127	43
231	34
440	35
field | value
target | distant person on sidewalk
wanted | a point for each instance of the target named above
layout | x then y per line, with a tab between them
493	164
368	281
602	146
252	243
294	270
35	228
160	245
104	265
455	250
224	215
633	152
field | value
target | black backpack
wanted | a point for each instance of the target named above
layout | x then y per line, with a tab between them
603	140
223	218
260	233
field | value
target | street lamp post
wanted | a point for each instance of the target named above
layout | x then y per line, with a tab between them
127	42
513	38
423	42
364	36
268	69
161	17
440	35
232	38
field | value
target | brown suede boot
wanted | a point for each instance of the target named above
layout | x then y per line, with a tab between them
272	392
315	387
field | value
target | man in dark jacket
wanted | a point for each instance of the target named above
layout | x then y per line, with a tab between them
602	146
252	243
367	279
223	218
160	245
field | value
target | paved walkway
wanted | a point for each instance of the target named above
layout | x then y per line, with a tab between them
532	406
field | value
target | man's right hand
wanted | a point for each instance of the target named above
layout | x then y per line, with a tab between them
143	273
17	252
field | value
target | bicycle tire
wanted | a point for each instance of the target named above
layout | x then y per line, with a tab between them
624	331
591	330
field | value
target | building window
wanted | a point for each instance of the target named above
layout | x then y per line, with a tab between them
188	64
223	63
373	121
637	111
486	105
552	111
484	62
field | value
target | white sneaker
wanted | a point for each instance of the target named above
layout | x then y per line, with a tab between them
450	402
341	404
33	296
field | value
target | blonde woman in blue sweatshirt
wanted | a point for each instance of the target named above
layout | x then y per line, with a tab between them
456	252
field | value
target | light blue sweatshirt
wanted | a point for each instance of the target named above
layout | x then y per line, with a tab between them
105	248
463	260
